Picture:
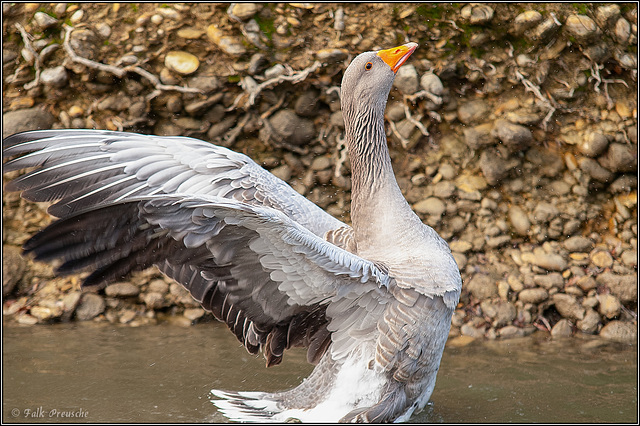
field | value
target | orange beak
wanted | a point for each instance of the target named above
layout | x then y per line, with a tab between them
396	56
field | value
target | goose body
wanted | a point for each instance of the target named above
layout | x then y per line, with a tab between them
371	302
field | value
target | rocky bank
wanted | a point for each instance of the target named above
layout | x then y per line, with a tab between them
513	131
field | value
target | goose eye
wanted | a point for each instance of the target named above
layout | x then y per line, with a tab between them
368	66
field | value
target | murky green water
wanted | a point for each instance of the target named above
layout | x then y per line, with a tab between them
105	373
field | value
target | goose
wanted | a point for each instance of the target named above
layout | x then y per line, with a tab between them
371	302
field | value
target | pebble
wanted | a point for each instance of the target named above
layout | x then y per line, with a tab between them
158	286
45	21
338	24
589	324
519	220
525	21
505	314
460	341
220	128
181	62
494	167
578	244
514	136
460	246
625	287
174	104
624	183
27	319
471	331
479	136
332	55
482	287
26	119
122	290
257	63
395	111
77	16
444	189
156	19
432	206
126	316
593	144
103	29
618	331
547	281
60	9
207	83
190	33
511	331
545	212
199	107
607	14
473	111
43	313
447	171
91	305
13	266
70	301
406	80
622	31
549	261
477	14
562	329
306	104
282	172
55	77
169	13
499	241
114	103
194	313
626	60
601	259
191	123
581	27
153	300
629	258
243	11
608	306
568	306
431	83
252	33
620	158
229	45
594	170
292	128
275	71
533	295
586	283
543	31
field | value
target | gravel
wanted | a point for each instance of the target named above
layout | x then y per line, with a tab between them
539	205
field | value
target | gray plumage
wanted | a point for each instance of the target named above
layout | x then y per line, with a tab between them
372	303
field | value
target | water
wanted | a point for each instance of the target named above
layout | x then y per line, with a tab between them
105	373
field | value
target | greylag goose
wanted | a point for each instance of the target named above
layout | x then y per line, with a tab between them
371	302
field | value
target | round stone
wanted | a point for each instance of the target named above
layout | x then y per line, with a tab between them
602	259
55	77
581	26
526	20
181	62
432	206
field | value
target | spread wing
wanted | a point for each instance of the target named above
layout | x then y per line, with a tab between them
82	168
249	254
270	279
